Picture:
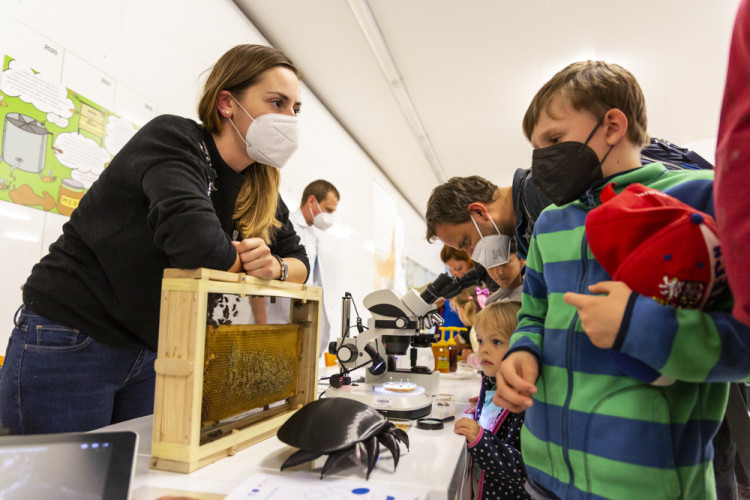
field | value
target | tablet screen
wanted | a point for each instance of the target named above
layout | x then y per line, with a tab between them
84	466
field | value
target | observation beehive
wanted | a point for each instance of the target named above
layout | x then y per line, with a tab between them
221	388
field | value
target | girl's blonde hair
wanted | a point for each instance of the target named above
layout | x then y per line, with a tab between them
237	70
501	316
467	300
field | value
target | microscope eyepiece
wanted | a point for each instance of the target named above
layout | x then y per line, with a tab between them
433	290
446	286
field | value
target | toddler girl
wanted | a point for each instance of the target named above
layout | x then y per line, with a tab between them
493	436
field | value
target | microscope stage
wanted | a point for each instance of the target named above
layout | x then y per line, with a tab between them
412	404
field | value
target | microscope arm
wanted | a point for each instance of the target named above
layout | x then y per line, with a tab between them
393	315
352	351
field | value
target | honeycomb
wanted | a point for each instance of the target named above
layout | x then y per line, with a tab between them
248	367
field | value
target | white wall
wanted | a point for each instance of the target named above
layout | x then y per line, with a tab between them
140	58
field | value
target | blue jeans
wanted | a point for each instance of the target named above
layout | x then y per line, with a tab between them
56	379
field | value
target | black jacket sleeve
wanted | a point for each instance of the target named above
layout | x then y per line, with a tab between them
174	178
286	243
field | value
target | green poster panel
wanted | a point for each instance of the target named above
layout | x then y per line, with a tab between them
55	142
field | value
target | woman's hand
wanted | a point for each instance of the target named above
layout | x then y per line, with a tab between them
254	258
467	428
257	260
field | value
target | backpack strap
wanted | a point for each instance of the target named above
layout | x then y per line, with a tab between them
672	156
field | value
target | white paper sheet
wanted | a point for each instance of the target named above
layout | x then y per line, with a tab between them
306	486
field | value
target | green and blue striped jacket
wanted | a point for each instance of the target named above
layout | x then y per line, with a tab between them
594	432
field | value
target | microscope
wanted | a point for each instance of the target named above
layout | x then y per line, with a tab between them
398	325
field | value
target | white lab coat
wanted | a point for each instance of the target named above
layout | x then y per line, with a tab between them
309	240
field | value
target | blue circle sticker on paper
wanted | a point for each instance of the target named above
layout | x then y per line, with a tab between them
361	491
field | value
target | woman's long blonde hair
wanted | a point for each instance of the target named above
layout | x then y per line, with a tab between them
236	71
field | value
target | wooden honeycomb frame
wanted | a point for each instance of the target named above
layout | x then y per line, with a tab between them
177	443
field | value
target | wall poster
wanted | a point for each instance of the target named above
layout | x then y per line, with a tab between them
54	142
388	242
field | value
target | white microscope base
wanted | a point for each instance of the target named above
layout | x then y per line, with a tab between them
430	381
413	404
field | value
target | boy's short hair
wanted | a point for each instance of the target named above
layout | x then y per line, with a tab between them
513	247
448	253
449	201
501	316
596	87
320	189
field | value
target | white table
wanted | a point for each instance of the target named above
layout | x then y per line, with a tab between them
433	468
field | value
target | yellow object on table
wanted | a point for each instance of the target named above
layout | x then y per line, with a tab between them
448	333
330	359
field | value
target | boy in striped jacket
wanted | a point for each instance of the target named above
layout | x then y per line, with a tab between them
591	431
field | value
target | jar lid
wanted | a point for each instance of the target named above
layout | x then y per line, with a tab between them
430	424
433	424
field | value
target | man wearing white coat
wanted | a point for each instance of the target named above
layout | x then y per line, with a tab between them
319	201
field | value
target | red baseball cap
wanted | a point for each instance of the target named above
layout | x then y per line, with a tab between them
659	246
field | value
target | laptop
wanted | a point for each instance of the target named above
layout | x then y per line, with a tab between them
78	465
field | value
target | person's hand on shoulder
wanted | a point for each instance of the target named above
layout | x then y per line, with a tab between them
516	381
467	428
257	259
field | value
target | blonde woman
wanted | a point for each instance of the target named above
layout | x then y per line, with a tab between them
179	194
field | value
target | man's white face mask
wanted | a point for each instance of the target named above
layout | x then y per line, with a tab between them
271	138
491	250
323	220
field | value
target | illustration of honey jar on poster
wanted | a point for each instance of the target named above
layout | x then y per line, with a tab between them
71	192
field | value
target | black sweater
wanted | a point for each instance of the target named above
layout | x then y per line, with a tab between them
149	210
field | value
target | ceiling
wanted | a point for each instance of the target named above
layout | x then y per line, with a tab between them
461	72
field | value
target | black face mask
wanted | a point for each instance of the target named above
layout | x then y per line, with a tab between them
564	171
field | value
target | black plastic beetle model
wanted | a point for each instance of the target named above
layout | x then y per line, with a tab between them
334	426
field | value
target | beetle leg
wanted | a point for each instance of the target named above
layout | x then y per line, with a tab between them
373	452
390	442
300	456
334	458
400	435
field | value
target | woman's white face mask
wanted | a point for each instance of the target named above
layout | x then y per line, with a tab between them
271	138
323	220
491	250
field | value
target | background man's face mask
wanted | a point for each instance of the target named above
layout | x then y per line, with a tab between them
564	171
491	250
271	138
323	220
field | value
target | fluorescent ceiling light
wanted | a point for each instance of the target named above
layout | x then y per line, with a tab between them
371	30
